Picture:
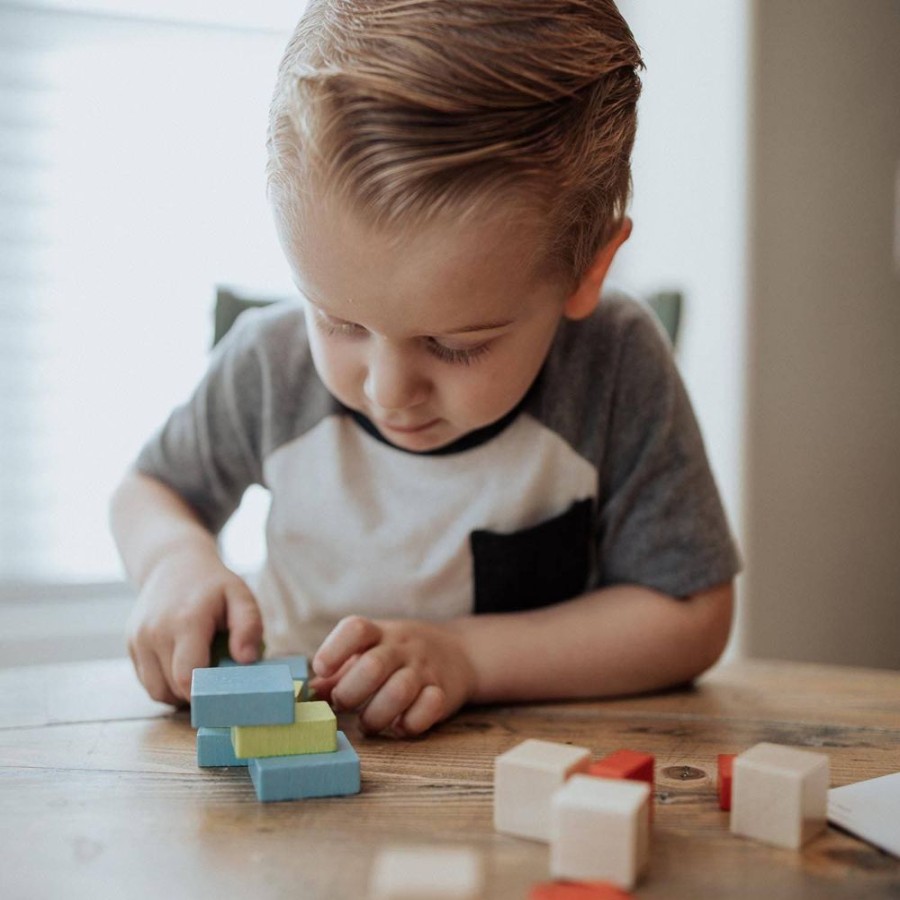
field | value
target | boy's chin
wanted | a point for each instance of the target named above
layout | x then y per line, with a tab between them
433	436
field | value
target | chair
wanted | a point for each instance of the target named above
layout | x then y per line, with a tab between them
229	306
667	306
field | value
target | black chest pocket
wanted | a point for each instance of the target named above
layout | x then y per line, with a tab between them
535	567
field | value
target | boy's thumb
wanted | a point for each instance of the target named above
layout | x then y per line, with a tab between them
245	625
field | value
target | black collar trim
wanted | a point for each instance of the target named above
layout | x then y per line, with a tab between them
466	442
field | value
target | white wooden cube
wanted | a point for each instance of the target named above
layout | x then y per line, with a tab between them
525	779
779	795
601	830
417	873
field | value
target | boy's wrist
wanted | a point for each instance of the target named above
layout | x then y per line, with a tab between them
465	631
181	552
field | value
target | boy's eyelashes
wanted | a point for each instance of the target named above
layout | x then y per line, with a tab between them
464	355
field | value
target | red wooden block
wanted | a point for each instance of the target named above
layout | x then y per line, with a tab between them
726	761
628	764
577	890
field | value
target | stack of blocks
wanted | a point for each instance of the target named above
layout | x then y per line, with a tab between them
259	716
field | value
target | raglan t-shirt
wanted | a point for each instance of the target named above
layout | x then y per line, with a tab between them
598	477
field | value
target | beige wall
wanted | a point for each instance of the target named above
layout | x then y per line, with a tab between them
822	508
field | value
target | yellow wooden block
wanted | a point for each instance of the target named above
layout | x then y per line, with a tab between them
314	731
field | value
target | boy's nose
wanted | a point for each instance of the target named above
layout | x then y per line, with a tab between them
392	381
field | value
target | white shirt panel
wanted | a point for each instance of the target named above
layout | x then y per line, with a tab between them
403	520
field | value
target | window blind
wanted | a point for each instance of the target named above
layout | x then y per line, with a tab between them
131	183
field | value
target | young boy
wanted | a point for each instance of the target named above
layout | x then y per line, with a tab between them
487	484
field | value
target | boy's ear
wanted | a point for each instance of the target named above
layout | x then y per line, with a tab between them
584	299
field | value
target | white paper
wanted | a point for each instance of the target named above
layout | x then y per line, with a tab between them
870	810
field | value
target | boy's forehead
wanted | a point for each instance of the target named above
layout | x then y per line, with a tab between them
443	276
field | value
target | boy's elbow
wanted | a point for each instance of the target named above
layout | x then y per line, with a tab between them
714	611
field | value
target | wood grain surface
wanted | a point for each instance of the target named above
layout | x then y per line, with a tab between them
100	794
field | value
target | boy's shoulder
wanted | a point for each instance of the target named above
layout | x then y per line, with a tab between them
620	332
277	325
619	315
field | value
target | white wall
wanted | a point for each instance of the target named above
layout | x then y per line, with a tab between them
823	499
689	206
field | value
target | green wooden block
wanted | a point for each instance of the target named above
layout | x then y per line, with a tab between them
314	731
220	655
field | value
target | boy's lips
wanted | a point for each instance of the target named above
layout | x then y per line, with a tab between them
408	429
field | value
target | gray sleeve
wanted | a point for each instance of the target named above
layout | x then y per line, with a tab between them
209	449
661	521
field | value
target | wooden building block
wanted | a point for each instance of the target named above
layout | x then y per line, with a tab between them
600	830
725	765
525	778
310	775
421	873
577	890
779	795
301	691
242	695
628	764
314	730
214	748
220	655
298	665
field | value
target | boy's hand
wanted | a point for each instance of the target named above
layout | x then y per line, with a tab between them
187	597
404	674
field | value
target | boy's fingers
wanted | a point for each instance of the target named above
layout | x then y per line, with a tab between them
352	635
244	623
429	707
191	652
151	676
365	677
324	686
395	696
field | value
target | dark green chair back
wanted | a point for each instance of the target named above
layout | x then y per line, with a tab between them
228	307
667	306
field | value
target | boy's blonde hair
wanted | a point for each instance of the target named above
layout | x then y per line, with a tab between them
408	108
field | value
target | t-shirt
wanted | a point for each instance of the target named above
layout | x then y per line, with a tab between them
599	477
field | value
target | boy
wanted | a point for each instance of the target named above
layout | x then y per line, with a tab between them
487	484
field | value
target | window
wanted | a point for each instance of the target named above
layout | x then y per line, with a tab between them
131	183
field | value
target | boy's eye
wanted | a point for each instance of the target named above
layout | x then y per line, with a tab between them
458	355
464	356
331	326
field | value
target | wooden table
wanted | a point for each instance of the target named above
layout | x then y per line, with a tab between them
100	795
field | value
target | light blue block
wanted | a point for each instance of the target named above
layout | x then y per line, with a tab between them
214	748
310	775
242	695
298	665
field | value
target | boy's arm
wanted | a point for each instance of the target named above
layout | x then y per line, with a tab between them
186	592
409	674
617	640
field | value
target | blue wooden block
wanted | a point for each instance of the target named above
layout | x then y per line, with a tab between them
298	665
242	695
309	775
214	748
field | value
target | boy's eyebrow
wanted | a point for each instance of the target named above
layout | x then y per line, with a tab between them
483	326
464	329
